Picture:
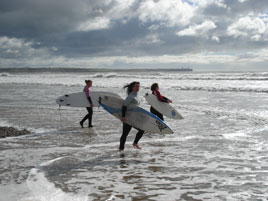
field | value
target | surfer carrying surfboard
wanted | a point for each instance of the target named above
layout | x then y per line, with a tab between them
156	92
132	91
86	90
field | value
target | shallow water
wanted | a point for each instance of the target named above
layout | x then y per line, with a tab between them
218	152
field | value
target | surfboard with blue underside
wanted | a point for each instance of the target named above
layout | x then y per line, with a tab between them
79	99
135	116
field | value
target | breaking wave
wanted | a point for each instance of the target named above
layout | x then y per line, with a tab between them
215	82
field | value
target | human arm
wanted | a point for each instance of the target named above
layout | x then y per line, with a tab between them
162	98
87	92
129	99
124	110
126	102
90	101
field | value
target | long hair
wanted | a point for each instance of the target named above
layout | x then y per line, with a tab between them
154	86
88	81
130	86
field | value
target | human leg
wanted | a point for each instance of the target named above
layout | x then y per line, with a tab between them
137	138
126	130
154	111
87	116
90	113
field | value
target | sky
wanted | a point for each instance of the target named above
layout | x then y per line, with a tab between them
216	35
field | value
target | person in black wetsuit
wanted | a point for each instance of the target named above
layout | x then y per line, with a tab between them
86	90
156	92
132	91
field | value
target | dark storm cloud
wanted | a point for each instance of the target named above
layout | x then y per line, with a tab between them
132	28
55	23
113	41
34	18
247	6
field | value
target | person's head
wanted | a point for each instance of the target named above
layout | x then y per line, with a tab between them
154	87
88	83
133	86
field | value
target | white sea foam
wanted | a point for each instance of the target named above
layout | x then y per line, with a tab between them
6	123
240	82
4	74
217	152
258	117
41	130
245	133
43	190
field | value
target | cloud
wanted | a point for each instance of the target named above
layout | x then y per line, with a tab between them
130	32
253	27
208	3
166	12
150	39
94	24
14	48
31	18
198	30
216	38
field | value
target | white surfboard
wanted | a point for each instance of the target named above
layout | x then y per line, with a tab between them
80	99
164	108
135	116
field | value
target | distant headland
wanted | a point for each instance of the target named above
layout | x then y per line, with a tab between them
78	70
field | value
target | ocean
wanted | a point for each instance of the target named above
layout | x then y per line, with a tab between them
218	152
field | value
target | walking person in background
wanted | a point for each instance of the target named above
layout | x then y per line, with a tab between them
156	92
132	91
86	90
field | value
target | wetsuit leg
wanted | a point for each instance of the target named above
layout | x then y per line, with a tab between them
126	130
138	136
154	111
89	115
85	117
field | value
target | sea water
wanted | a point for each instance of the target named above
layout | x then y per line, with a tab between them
217	152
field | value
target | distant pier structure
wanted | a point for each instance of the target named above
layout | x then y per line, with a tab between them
182	69
185	69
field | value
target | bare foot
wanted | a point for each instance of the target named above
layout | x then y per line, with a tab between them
137	146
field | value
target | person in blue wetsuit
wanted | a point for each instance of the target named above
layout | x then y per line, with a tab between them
86	90
132	91
156	92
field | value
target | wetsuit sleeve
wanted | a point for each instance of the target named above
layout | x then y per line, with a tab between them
86	90
128	100
124	110
160	97
164	99
89	99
